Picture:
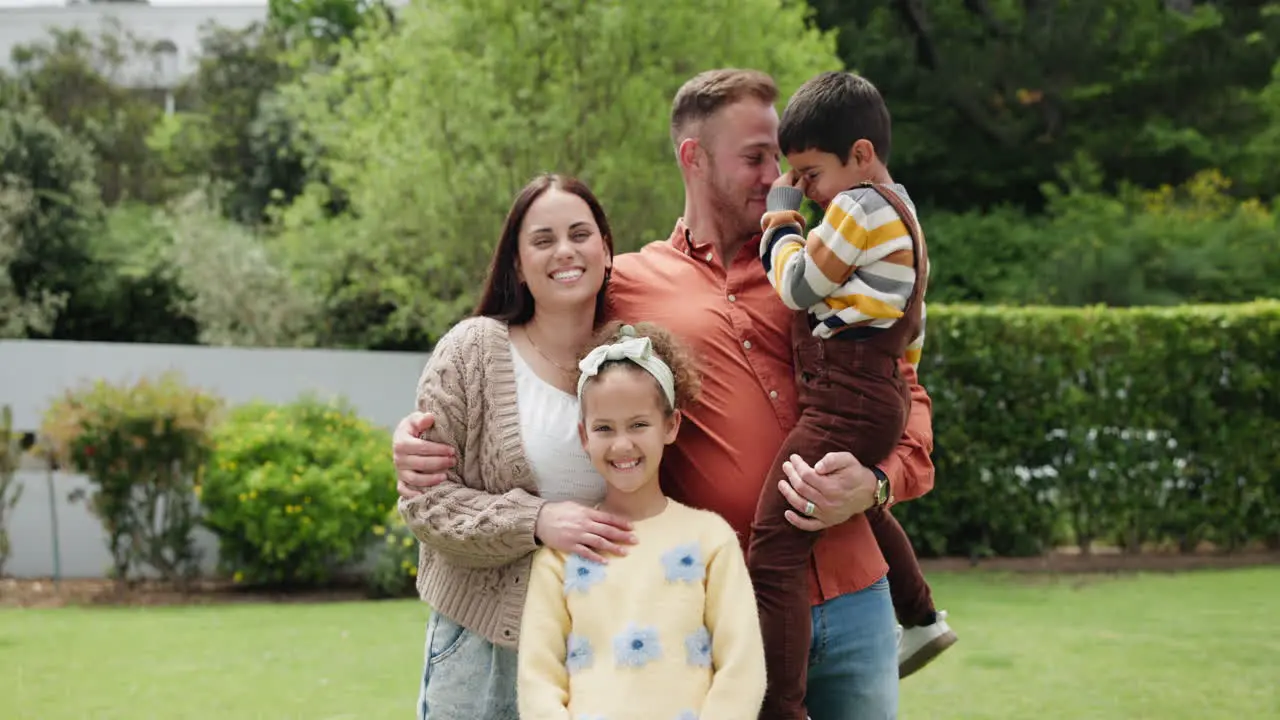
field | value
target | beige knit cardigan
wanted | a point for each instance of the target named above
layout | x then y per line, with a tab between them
477	527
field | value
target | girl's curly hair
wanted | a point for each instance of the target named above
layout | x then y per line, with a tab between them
665	346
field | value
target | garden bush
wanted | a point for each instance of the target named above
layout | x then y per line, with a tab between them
1197	242
294	491
1127	427
395	569
10	489
141	445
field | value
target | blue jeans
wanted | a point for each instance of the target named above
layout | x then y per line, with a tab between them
853	662
465	676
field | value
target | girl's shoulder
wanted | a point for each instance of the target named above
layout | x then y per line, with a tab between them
710	528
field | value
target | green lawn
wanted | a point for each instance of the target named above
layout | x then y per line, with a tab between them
1202	645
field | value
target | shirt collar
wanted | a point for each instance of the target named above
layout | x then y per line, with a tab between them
682	240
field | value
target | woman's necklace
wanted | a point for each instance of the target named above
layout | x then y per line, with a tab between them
563	369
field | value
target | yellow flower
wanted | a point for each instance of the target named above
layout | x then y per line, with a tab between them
408	542
238	577
243	497
379	530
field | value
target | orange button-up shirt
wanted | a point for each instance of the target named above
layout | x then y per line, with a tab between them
739	331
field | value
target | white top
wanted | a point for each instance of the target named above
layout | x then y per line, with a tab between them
549	429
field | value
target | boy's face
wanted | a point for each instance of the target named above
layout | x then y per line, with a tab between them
822	176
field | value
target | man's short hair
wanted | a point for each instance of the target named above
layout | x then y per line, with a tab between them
707	92
833	111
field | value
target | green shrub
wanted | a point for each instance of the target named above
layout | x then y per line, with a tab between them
142	446
395	569
1195	243
1126	426
10	489
294	491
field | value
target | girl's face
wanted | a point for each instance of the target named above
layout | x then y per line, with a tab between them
625	427
562	256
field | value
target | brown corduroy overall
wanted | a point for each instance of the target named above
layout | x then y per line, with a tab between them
852	398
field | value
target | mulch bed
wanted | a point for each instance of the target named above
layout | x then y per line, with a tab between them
97	592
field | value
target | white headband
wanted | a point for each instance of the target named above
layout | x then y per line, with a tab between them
638	350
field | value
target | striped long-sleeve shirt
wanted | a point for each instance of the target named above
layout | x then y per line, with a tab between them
854	272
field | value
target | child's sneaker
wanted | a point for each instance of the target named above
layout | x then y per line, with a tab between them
918	646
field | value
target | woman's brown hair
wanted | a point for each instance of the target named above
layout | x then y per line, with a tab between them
504	297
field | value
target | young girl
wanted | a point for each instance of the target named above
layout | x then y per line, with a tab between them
668	631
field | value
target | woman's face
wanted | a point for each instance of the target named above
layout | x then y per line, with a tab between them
562	255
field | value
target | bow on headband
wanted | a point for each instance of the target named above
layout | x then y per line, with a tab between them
638	350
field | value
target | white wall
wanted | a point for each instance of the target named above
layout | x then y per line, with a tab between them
178	24
32	373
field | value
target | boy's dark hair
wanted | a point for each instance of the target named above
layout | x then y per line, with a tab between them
831	112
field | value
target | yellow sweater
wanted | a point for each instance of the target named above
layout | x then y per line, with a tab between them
668	632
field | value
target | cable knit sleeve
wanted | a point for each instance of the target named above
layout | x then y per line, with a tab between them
462	518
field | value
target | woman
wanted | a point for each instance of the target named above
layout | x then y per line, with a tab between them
502	385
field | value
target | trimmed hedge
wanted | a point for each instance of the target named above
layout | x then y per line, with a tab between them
1101	426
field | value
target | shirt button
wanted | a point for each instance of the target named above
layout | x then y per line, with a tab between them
733	298
773	394
710	257
746	344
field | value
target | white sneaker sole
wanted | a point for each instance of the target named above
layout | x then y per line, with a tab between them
926	653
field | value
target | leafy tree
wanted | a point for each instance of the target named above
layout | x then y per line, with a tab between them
233	133
232	283
73	77
51	212
323	21
432	128
990	97
19	315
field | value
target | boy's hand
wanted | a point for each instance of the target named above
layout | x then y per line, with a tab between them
787	179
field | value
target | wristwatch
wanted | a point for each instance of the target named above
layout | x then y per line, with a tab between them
882	486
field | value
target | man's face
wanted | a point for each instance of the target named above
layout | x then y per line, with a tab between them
741	146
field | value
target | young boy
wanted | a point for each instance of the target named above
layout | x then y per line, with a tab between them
859	280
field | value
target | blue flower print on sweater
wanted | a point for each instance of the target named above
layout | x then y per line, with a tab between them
697	648
637	646
683	563
580	574
578	654
687	715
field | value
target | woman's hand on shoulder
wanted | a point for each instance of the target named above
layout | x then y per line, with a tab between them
579	530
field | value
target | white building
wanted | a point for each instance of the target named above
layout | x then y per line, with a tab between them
167	26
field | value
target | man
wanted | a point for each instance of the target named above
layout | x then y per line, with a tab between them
705	284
